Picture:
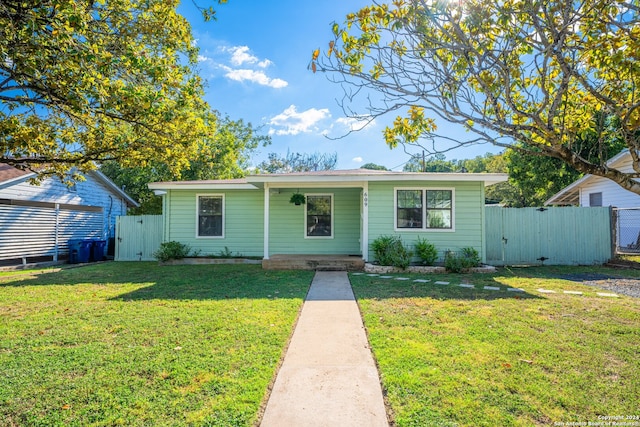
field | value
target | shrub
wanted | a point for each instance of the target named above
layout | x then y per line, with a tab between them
172	250
389	250
426	251
455	263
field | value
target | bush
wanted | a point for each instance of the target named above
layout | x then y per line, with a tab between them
455	263
172	250
389	250
426	251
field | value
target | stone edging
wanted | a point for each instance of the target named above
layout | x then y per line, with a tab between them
372	268
205	261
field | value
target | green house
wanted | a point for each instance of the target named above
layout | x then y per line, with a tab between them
343	212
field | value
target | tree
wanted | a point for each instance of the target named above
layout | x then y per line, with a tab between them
223	156
521	74
373	166
435	163
298	162
89	81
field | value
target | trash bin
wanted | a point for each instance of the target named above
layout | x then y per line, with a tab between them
79	250
74	248
97	250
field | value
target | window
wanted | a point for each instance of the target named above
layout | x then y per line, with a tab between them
409	209
595	199
424	209
319	216
210	216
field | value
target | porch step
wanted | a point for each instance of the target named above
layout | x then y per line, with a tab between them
314	262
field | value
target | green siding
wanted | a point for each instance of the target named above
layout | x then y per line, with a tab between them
287	232
468	216
243	216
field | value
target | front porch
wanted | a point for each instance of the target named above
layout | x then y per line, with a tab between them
314	262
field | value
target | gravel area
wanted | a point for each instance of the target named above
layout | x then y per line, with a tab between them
619	285
630	287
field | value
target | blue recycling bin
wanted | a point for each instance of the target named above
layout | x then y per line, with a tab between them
97	250
79	250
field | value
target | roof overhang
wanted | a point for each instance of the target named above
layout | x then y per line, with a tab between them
328	179
347	179
114	188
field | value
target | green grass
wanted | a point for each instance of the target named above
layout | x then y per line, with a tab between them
137	344
450	356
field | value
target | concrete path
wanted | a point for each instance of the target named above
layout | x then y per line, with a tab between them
328	377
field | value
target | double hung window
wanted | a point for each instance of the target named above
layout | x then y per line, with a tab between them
211	216
424	209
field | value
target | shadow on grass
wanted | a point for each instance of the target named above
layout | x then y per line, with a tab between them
376	287
184	282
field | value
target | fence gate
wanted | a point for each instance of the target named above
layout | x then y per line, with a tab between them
627	227
138	237
553	236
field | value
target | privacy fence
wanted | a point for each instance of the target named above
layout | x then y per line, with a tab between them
40	231
552	236
137	237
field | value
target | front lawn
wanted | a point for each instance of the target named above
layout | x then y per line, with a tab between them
136	344
455	356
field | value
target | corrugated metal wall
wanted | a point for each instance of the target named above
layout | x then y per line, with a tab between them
138	237
41	229
550	236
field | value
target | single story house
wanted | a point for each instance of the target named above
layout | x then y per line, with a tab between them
345	211
592	190
36	221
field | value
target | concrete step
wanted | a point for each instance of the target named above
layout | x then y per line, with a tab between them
314	262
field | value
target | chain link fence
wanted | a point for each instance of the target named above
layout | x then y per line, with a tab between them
627	226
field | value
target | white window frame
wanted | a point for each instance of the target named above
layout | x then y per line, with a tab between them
594	194
224	214
424	210
306	216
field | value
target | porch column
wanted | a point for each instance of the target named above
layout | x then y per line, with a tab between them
365	221
266	221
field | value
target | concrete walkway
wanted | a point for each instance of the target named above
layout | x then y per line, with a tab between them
328	377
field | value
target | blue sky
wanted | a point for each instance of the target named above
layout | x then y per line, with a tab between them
254	60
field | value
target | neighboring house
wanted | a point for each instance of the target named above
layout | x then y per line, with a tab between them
36	221
344	212
592	190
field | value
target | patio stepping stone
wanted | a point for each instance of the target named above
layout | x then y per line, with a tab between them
402	278
441	283
572	292
373	275
515	290
422	280
386	277
466	285
492	288
357	274
546	291
606	294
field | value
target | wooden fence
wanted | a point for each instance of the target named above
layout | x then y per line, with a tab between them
137	237
550	236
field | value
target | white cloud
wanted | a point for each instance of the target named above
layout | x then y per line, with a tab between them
292	122
202	58
356	123
253	76
357	159
242	55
